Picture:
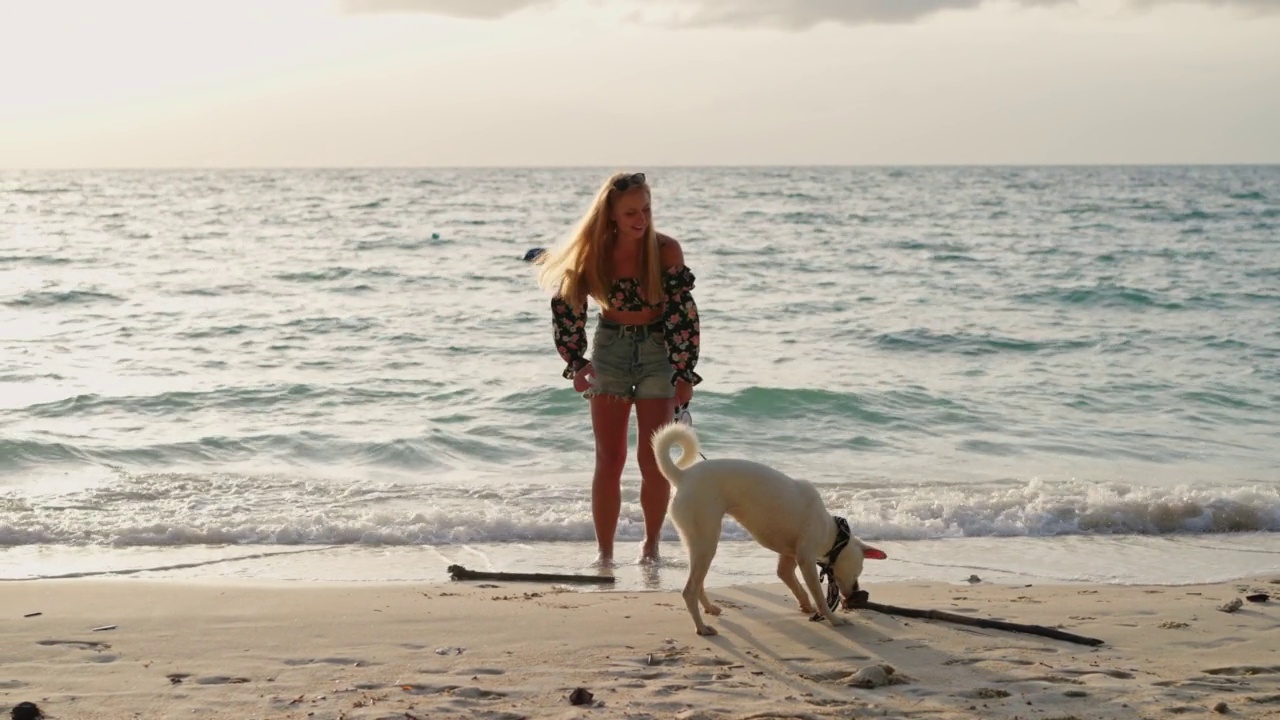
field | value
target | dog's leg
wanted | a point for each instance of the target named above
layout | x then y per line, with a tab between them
787	573
701	536
694	591
809	568
708	607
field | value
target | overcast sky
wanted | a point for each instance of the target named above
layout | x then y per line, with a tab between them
286	83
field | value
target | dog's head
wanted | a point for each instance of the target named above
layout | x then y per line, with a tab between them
848	568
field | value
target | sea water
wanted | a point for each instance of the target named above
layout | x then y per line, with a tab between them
1029	374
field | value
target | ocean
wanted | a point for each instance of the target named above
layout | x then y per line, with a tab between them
1028	374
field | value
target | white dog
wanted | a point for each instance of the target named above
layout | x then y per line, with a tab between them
784	515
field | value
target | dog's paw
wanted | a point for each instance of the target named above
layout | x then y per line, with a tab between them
713	610
707	630
808	609
835	619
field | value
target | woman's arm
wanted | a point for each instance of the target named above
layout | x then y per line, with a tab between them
570	332
680	313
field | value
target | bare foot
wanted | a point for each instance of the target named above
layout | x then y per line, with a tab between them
649	554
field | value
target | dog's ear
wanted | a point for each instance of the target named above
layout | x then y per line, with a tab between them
873	553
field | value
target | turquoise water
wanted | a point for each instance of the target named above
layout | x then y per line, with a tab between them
209	365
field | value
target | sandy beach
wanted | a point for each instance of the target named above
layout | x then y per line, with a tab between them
108	649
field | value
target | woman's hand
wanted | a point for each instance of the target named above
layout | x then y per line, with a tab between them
684	392
583	378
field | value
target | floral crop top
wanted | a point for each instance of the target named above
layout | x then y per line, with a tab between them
679	321
625	296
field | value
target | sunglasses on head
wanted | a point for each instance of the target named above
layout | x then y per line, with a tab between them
624	184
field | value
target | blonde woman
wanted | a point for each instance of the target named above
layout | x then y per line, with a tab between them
644	347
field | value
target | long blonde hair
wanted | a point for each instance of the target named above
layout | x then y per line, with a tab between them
580	268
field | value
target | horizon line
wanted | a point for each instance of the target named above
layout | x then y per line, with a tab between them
188	168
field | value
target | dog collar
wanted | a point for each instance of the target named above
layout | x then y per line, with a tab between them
828	568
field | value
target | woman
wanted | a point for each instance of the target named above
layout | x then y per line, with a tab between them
644	348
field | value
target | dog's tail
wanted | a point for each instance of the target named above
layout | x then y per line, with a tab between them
667	436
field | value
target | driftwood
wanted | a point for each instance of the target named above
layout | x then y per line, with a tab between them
977	622
457	572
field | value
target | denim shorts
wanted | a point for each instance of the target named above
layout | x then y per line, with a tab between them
631	362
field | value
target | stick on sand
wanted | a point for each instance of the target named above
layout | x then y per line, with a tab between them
977	622
457	572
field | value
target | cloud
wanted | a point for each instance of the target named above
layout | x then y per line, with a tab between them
783	14
803	14
472	9
1259	6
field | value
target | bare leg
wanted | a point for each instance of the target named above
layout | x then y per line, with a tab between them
609	418
655	491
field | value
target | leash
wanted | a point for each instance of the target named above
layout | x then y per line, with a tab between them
827	570
682	415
